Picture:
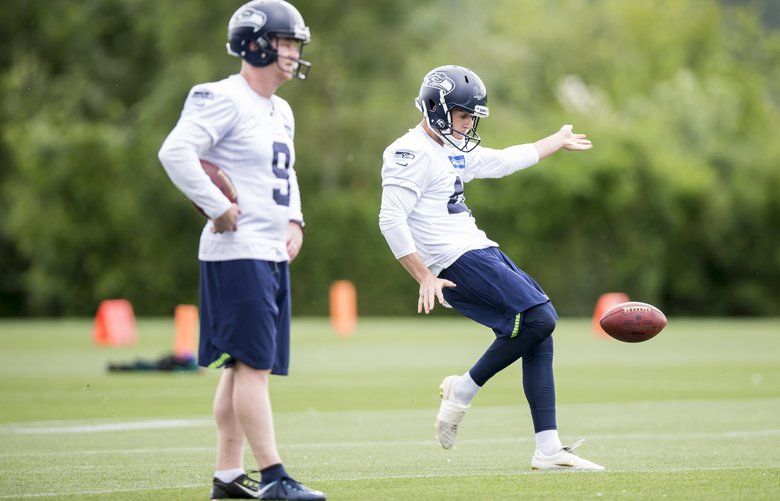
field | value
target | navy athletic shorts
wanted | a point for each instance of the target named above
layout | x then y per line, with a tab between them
245	314
491	290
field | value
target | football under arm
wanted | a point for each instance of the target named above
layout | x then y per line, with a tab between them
179	155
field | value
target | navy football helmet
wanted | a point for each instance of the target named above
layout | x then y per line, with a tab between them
261	21
447	88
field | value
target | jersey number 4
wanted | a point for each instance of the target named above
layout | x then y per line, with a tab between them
281	197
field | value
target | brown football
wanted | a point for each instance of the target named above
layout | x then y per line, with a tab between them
221	180
633	322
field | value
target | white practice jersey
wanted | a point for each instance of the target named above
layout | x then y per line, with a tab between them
251	139
440	223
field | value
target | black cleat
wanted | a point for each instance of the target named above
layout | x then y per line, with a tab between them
287	488
242	487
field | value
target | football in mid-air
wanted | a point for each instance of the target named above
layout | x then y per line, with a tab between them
633	322
221	180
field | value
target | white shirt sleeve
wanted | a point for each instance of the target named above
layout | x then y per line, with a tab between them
179	155
208	115
214	111
397	203
490	163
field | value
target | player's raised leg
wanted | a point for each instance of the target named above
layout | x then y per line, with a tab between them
457	392
454	405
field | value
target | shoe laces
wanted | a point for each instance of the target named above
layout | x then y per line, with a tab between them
247	481
451	412
285	481
292	483
569	448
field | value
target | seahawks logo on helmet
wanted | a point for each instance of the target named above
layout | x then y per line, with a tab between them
439	81
248	18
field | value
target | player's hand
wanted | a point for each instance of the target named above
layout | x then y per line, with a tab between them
572	141
294	239
228	221
430	290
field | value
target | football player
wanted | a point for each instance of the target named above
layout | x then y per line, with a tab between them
240	125
431	231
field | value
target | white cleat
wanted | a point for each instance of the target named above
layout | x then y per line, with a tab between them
450	413
564	459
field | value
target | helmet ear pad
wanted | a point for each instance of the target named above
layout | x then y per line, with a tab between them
259	52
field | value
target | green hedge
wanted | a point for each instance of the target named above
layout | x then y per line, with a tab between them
678	204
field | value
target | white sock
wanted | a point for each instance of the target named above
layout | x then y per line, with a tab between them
229	475
465	389
548	442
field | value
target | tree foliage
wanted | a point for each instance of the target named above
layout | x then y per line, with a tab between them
678	203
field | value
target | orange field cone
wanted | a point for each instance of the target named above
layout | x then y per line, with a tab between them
605	302
185	323
115	323
343	307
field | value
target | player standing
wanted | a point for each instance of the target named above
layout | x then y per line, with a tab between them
240	125
432	233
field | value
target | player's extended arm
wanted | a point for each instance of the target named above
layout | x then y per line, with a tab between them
565	139
492	163
397	204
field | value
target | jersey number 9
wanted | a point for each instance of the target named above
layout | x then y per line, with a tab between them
281	197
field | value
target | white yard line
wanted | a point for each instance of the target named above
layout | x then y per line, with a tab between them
101	425
105	491
97	452
715	435
154	424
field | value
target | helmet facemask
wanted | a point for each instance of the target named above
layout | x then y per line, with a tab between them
270	53
469	138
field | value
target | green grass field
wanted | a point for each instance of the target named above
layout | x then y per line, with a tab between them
691	414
